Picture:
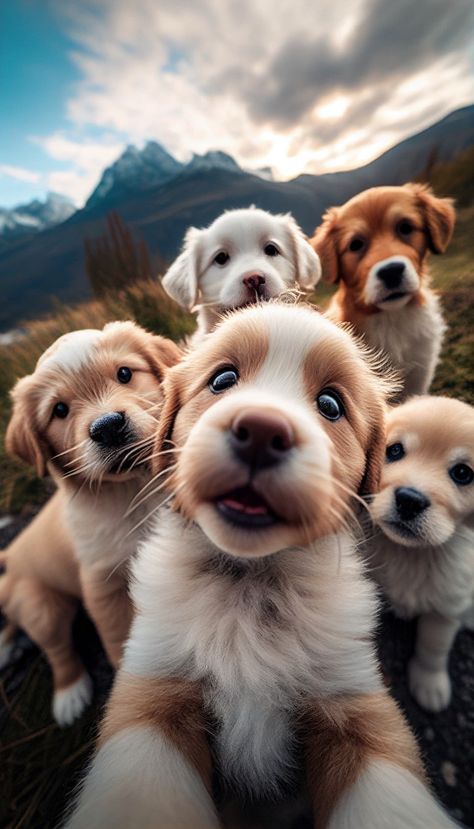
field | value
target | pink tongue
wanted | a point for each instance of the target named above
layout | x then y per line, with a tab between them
249	510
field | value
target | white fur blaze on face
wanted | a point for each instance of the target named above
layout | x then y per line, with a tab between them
72	350
70	702
388	299
139	780
388	797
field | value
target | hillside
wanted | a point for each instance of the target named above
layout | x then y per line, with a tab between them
159	198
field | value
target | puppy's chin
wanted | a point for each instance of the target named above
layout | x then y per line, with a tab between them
245	541
394	301
428	533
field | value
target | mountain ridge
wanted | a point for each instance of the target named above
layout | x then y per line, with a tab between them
51	263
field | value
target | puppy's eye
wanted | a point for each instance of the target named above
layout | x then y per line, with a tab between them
330	404
271	250
224	379
60	410
461	474
394	452
222	258
356	244
124	374
405	228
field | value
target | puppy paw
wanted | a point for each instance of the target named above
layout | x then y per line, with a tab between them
431	689
6	649
70	702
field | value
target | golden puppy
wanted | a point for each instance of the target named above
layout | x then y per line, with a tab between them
375	247
252	646
423	554
87	415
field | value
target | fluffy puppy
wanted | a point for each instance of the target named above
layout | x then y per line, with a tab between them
244	256
87	415
252	645
375	247
423	553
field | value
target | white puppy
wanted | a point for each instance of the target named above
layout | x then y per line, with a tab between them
244	256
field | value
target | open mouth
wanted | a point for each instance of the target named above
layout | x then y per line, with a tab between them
245	508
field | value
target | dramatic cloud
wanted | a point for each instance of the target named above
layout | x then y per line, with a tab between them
297	85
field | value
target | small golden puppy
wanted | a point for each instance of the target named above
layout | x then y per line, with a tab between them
87	415
252	651
375	247
423	554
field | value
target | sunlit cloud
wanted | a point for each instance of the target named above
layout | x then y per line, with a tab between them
299	87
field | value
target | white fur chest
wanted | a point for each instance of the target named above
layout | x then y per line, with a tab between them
410	336
104	535
260	634
428	579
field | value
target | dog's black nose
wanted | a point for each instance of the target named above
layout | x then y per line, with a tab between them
109	429
261	439
410	502
392	274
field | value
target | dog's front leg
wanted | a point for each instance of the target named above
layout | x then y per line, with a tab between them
109	606
363	767
428	669
152	769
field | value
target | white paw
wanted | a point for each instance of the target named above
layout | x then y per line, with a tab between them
69	703
6	649
431	689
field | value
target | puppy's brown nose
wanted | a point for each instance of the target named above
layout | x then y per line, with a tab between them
254	282
261	439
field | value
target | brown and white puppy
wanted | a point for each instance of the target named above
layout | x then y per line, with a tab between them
244	256
252	644
375	248
87	415
423	553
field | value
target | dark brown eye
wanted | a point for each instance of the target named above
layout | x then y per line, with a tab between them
222	258
356	244
405	227
124	374
60	410
330	404
271	250
224	379
461	474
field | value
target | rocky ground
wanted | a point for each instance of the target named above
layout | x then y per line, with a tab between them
40	763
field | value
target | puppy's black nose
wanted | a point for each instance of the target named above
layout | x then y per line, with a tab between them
261	439
410	502
392	274
254	282
109	429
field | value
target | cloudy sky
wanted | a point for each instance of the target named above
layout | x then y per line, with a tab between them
299	86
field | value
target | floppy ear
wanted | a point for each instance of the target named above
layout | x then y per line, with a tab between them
181	279
439	216
22	439
163	353
375	455
324	243
307	264
171	388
